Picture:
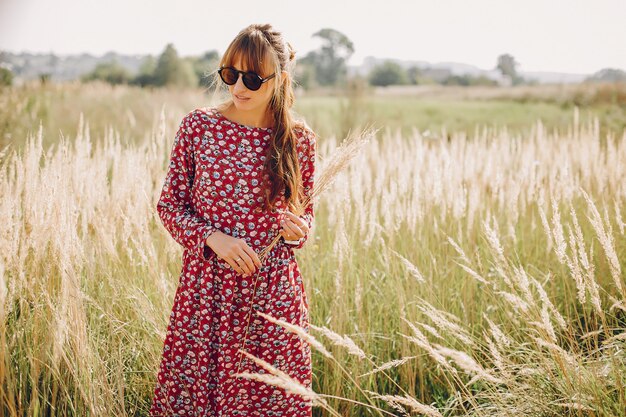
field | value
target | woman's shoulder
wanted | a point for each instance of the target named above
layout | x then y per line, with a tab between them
198	120
306	140
200	115
304	133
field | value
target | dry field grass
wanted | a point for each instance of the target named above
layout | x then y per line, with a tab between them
476	274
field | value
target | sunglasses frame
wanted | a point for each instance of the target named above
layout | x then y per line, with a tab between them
243	73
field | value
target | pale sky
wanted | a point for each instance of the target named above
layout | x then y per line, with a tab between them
575	36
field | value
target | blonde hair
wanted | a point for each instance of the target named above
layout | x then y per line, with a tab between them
254	45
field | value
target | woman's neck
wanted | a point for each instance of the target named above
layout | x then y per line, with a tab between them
260	119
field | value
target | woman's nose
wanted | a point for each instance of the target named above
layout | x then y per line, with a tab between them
239	85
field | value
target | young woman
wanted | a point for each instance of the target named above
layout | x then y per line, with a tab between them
237	174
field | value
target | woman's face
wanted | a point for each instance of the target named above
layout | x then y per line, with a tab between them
247	100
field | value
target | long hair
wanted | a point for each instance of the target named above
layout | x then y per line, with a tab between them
254	45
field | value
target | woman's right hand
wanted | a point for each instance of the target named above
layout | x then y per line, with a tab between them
239	255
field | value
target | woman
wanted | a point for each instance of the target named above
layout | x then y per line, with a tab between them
238	172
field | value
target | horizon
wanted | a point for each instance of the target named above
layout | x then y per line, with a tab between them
573	28
493	68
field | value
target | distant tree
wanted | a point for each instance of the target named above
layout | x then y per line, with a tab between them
330	60
111	72
145	75
434	75
6	76
507	65
205	64
171	70
211	55
388	73
463	80
608	74
414	74
467	80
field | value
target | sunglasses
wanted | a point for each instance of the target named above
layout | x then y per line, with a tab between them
251	80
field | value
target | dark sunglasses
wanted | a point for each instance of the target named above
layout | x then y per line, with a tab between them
251	80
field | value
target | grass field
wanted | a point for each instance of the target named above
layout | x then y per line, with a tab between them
136	111
476	274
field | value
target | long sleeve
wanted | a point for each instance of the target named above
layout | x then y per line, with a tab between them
175	206
307	170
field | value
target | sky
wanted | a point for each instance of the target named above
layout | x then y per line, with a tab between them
571	36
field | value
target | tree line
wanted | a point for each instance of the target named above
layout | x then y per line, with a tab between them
323	67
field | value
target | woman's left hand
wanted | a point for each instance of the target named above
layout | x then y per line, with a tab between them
293	227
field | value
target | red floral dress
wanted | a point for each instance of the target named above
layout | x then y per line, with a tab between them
215	182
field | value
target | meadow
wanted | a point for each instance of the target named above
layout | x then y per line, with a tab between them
469	262
133	112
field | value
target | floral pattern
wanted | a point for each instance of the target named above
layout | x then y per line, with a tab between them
215	181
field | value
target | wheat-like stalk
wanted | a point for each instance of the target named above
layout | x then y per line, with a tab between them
408	401
339	340
299	331
279	378
388	365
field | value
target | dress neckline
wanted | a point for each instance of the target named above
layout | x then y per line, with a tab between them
228	121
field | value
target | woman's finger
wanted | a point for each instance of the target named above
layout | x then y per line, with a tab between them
245	261
292	229
296	219
233	263
299	221
253	255
288	236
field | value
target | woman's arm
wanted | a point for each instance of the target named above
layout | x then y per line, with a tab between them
174	207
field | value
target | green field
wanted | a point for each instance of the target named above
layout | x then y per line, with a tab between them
132	112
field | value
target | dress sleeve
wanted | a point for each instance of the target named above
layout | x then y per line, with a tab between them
174	206
307	170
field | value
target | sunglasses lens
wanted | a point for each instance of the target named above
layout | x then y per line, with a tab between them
229	76
251	81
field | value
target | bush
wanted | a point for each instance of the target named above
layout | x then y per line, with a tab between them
6	77
110	72
388	73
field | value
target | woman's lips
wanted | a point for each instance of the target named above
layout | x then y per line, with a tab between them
241	98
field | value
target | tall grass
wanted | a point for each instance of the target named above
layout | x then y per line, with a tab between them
477	274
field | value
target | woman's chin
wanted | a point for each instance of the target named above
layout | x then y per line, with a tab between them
242	104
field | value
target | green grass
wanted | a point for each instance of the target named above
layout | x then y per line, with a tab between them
335	114
133	112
